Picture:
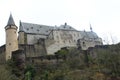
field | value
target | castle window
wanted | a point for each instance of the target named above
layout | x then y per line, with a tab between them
9	43
69	41
40	26
31	27
74	40
74	34
38	30
78	35
84	44
27	29
57	37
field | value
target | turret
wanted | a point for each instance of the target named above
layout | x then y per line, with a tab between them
21	37
11	37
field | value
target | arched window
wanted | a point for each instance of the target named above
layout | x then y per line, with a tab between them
84	44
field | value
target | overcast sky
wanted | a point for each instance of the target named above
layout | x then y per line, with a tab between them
103	15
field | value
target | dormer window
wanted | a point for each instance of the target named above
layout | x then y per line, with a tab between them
27	29
38	30
40	26
65	24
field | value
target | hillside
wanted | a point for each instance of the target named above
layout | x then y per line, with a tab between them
99	63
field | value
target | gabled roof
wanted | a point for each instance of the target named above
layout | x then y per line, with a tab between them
35	28
66	27
11	21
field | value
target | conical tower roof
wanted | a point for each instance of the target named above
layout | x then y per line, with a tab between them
11	21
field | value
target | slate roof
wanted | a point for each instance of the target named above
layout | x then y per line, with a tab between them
88	34
11	21
41	29
45	30
66	27
35	28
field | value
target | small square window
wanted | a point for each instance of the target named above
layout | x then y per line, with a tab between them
9	43
40	26
38	30
27	29
74	40
74	35
69	41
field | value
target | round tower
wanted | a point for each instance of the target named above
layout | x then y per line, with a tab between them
11	37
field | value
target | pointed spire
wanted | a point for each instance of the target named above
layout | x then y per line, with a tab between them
65	23
20	27
20	23
11	21
91	28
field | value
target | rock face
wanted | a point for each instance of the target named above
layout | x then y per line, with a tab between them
19	57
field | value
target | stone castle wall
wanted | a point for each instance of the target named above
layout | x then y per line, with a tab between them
86	43
61	38
33	38
2	54
35	50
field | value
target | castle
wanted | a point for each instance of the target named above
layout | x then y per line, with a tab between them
38	40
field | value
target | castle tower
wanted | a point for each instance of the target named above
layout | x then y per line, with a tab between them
11	37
